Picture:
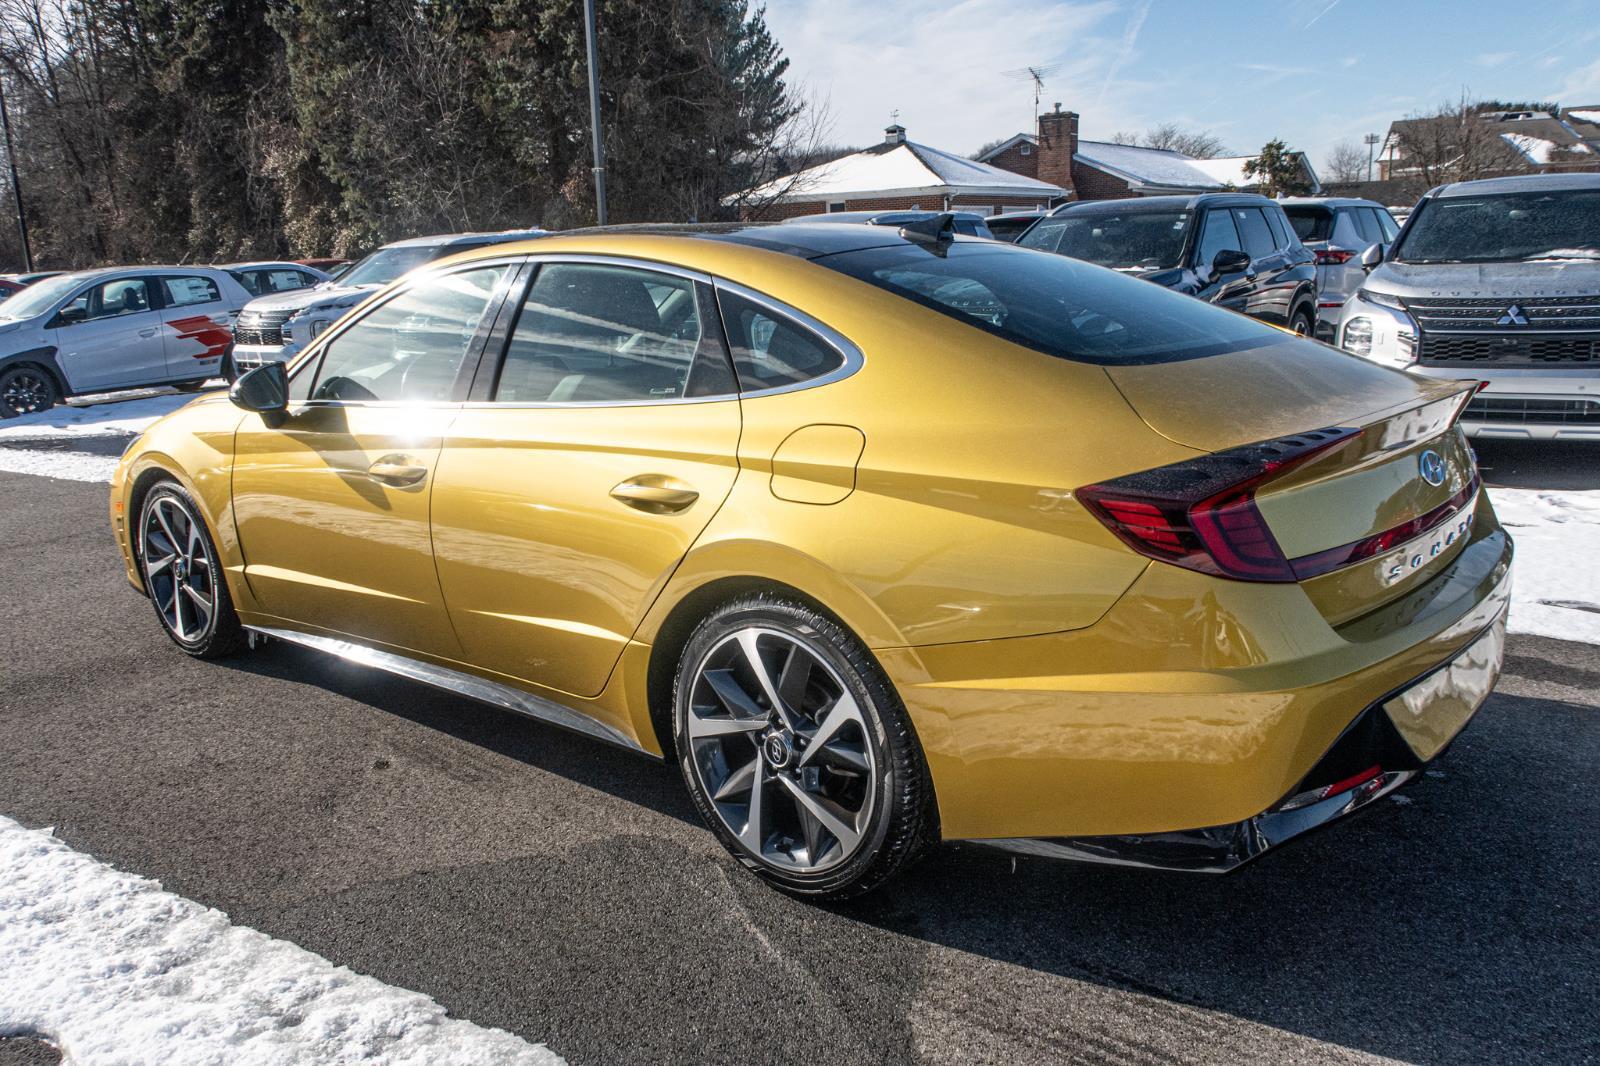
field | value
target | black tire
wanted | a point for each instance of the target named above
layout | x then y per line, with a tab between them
25	389
227	371
190	386
185	555
899	823
1303	322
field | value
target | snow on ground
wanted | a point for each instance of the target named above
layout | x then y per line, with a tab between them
70	466
121	415
1556	578
113	969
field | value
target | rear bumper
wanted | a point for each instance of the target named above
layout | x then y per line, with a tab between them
1387	746
1194	702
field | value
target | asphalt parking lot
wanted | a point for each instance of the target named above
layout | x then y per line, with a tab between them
543	883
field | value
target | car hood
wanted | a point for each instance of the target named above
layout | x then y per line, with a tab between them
1570	277
335	298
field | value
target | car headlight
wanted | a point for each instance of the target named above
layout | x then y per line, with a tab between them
1382	299
1357	336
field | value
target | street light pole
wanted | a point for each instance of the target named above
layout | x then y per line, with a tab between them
594	114
1370	140
16	184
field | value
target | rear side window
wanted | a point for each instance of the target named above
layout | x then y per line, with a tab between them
1386	222
1054	304
1310	223
183	292
1280	232
772	350
1366	225
589	333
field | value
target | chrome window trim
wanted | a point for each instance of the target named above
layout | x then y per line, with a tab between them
469	685
854	360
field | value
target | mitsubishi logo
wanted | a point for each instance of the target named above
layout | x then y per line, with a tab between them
1512	317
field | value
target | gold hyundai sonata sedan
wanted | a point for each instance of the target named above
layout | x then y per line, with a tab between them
885	537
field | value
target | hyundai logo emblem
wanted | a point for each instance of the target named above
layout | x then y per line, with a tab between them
1512	317
1431	465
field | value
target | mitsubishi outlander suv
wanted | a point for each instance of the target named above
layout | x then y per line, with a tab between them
1497	282
273	328
1235	250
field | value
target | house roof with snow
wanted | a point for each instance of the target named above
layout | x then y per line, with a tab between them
1152	171
899	168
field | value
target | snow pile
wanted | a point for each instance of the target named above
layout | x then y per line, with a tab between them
115	970
69	466
1556	577
1533	149
114	416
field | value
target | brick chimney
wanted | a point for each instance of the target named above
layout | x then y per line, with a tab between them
895	134
1058	143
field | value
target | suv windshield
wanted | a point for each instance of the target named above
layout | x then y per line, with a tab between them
1054	304
1131	240
386	264
38	298
1507	227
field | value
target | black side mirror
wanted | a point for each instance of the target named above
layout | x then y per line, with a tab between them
264	390
1372	256
69	315
1230	261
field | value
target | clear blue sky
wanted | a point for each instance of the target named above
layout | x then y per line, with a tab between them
1313	72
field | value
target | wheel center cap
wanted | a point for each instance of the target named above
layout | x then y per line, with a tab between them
778	750
180	569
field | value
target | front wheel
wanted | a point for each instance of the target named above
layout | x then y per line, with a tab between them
183	575
25	390
1302	323
797	750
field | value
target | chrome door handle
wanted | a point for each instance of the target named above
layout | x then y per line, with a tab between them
147	333
397	470
655	494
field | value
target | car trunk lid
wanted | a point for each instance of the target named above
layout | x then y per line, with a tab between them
1361	522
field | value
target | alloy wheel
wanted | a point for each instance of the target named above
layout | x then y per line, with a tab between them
780	746
27	391
179	572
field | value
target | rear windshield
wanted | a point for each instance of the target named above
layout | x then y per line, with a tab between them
1053	304
1508	227
1133	240
1310	223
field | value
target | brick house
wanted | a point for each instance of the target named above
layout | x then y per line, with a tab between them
900	174
1099	170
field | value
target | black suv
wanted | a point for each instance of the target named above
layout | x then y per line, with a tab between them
1232	249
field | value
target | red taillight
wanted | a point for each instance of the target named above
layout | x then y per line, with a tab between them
1202	514
1333	257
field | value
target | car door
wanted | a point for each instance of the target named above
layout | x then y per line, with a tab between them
1269	293
568	495
197	325
331	503
109	336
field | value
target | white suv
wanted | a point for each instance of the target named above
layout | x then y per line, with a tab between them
1337	230
1495	282
114	329
274	328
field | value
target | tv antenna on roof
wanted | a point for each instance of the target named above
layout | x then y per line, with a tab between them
1037	75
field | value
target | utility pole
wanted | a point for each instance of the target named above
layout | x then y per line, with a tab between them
16	184
1370	140
594	114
